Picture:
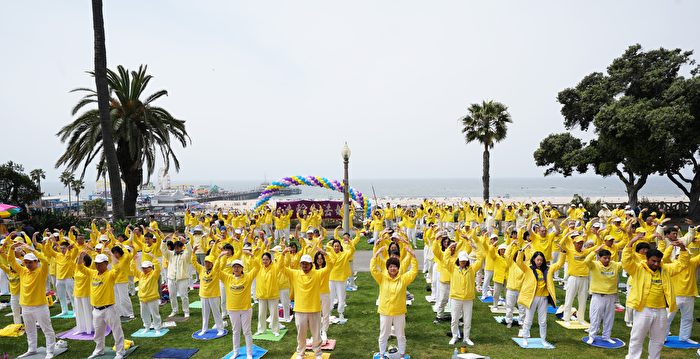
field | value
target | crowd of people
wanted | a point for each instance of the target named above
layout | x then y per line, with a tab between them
514	253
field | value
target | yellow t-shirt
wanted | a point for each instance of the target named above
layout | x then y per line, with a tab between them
656	298
81	287
238	289
32	290
208	281
148	283
541	285
307	288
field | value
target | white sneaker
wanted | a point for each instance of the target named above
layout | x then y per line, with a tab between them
158	332
276	334
629	325
341	316
590	340
525	342
324	337
119	356
249	356
453	340
187	315
469	342
172	314
610	341
201	332
219	332
258	332
547	345
27	354
96	353
690	341
49	356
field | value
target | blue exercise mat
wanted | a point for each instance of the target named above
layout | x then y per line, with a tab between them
209	334
144	333
258	352
173	353
674	343
69	315
488	299
551	310
532	343
600	343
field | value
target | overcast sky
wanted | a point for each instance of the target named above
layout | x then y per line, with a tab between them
274	88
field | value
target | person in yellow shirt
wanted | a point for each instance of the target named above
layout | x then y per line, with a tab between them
604	278
104	312
652	295
340	273
462	293
179	268
537	291
209	292
13	282
81	293
500	271
686	289
389	216
121	284
238	302
149	299
443	250
577	283
268	293
32	297
306	283
65	266
392	299
325	292
514	281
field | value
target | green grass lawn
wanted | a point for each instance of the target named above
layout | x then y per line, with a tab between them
358	338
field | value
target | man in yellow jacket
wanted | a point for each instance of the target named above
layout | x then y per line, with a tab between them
651	295
392	299
686	289
32	298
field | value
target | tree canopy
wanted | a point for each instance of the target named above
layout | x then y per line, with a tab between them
16	187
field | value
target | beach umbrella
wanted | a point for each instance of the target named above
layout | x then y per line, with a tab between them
7	210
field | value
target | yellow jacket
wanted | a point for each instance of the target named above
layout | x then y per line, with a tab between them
208	280
392	291
527	290
238	288
685	282
603	279
102	285
32	290
462	281
148	283
640	279
267	284
307	287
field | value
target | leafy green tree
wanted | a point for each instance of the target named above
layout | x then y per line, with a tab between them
37	175
486	123
16	187
77	185
141	132
95	208
622	111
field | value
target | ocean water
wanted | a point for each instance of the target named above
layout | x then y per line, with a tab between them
593	187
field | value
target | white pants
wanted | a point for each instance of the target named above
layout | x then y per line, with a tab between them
375	236
83	315
282	235
240	320
38	315
122	299
497	289
443	297
101	319
150	314
511	302
213	306
265	305
539	304
434	282
308	322
685	306
326	307
576	286
461	308
427	260
16	309
602	310
286	304
488	275
555	258
64	289
222	290
338	294
385	323
651	322
411	234
179	288
4	283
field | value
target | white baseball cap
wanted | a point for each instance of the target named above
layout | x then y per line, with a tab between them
101	258
597	225
104	238
502	246
146	264
30	257
99	246
493	235
463	256
238	262
617	219
310	230
237	231
306	258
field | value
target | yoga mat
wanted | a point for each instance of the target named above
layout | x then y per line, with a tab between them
310	355
391	356
69	315
110	354
143	333
674	343
267	335
532	343
551	310
178	319
488	299
167	325
74	334
209	335
502	319
330	345
575	325
350	289
41	353
498	310
196	305
470	356
173	353
258	352
600	343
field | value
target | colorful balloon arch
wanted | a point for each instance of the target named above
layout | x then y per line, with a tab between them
314	181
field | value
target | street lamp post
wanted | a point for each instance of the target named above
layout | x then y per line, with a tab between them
346	192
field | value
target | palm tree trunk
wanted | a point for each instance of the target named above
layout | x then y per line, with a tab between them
485	175
115	184
132	181
70	204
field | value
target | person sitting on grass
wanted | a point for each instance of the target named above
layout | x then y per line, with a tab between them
392	299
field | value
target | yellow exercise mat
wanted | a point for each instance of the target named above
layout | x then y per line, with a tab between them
310	355
574	324
12	330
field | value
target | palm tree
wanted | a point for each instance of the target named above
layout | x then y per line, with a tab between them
37	175
77	186
67	179
110	153
141	131
487	123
